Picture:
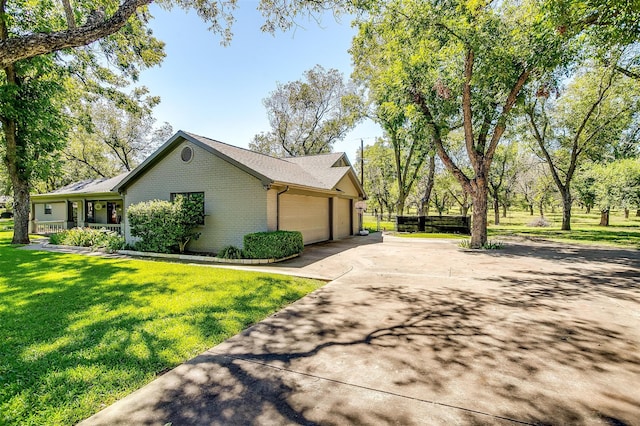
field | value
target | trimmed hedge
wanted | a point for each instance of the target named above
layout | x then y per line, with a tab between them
272	245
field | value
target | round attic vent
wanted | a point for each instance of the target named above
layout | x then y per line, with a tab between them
186	154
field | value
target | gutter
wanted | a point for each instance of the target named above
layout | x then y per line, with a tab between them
278	207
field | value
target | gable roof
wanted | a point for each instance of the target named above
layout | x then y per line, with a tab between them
312	171
87	186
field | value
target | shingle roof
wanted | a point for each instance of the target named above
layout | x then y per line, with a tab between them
313	171
89	186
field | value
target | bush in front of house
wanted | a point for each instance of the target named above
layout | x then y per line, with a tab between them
164	226
230	252
89	237
272	245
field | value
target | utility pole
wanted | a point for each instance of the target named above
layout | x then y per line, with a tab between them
362	163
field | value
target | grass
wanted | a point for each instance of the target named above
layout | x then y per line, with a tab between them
78	333
434	235
585	228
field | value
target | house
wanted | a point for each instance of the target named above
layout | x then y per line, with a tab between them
243	191
89	203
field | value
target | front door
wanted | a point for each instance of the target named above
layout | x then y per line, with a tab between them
72	214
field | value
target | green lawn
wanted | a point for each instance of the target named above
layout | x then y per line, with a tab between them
585	228
78	333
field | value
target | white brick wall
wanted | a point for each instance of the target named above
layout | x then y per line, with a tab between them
235	202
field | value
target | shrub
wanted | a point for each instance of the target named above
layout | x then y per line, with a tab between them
276	245
230	252
163	226
89	237
489	245
540	222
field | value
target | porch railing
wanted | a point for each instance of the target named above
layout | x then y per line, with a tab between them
108	226
50	226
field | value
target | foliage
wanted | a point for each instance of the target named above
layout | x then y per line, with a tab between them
272	245
163	226
308	116
108	138
80	332
616	184
89	237
459	63
584	122
489	245
622	232
379	176
230	252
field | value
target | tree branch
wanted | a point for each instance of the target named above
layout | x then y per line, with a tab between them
16	48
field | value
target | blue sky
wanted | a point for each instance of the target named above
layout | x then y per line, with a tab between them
217	91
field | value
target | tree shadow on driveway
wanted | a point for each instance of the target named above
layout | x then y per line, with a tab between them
544	340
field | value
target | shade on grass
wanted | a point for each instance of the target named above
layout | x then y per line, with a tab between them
78	333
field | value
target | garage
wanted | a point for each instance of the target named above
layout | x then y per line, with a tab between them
307	214
342	218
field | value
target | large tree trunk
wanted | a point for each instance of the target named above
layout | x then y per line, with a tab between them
496	211
604	217
479	218
566	209
531	209
638	212
17	174
426	198
626	213
588	209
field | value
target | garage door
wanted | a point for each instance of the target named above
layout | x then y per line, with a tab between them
309	215
343	218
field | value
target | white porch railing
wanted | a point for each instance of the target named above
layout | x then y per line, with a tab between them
108	226
50	226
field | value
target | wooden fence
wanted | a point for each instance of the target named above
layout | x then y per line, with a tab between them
449	224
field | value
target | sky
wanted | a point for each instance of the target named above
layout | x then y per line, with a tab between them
217	91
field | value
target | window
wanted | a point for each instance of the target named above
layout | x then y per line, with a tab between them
47	209
186	154
193	196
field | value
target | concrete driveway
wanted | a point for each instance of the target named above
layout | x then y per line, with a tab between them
421	332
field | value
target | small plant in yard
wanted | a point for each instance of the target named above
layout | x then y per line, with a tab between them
89	237
230	252
489	245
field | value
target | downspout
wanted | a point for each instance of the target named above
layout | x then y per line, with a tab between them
278	207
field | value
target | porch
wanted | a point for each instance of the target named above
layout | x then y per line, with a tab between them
55	216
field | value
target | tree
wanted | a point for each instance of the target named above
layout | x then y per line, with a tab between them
461	63
616	184
379	177
587	118
405	132
107	140
308	116
41	39
502	177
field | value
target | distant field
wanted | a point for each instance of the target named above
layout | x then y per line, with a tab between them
585	228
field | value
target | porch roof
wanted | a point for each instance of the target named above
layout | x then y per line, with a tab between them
93	187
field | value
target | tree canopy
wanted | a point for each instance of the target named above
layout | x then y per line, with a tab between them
308	116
